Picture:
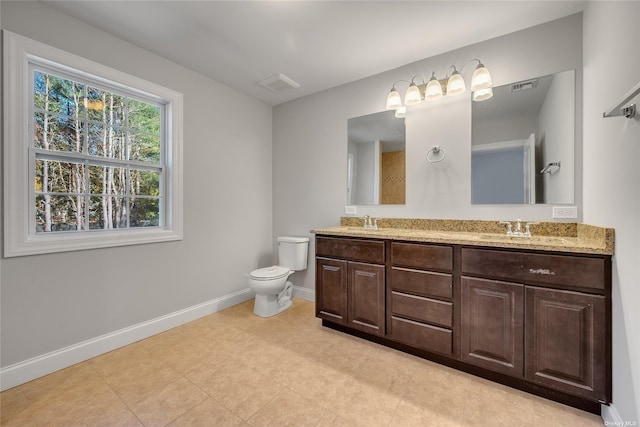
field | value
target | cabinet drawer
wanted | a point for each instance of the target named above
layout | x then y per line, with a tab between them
352	249
425	283
423	336
422	309
428	257
563	270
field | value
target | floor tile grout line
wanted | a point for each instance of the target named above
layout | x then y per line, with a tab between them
356	372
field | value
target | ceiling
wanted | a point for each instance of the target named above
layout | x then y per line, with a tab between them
318	44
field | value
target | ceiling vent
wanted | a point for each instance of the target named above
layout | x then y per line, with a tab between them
529	84
278	83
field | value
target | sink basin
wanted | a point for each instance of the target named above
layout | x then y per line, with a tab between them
524	239
502	237
368	230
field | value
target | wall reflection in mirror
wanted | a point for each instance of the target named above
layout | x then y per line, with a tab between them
527	127
376	160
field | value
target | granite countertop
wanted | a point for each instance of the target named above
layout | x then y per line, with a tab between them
547	236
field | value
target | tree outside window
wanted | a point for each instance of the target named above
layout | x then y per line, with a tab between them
98	157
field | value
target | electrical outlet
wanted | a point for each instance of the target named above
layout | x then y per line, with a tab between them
565	212
350	210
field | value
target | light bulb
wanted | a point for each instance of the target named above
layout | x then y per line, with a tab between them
482	94
393	99
401	113
455	85
412	97
434	89
481	78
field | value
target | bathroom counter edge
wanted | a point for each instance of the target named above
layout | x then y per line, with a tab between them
587	239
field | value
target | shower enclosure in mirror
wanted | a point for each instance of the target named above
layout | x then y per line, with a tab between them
522	148
376	160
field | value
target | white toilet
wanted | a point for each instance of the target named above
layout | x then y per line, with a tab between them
271	284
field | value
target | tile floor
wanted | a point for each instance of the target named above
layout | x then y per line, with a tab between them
235	369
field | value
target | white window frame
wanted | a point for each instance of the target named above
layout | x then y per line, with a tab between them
19	238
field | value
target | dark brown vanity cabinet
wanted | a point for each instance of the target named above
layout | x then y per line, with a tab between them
566	341
492	326
535	320
420	296
350	283
549	325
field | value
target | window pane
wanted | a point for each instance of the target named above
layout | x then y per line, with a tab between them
59	177
56	132
106	141
107	180
97	139
145	182
105	107
107	212
58	213
145	148
95	105
144	117
145	212
55	94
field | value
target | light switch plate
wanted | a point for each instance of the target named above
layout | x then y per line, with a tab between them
350	210
565	212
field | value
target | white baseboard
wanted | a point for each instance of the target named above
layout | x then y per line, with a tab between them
304	293
610	416
22	372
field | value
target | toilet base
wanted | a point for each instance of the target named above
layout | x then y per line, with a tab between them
267	305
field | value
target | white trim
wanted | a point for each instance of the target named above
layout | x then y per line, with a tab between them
610	416
22	372
304	293
18	52
497	146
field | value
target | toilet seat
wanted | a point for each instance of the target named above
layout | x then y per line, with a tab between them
269	273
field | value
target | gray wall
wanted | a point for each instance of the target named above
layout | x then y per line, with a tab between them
53	301
310	137
612	177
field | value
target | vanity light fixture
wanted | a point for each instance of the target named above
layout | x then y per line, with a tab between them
393	99
433	90
436	88
481	78
482	94
413	95
401	112
455	84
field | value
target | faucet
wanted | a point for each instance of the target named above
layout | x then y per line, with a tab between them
370	223
518	232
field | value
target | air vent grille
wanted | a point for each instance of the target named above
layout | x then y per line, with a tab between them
278	83
529	84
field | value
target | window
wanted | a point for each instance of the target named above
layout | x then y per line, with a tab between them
92	155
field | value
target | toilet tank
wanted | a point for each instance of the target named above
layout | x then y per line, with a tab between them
292	252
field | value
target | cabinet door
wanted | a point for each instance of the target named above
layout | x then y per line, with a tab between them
366	297
331	290
566	341
492	325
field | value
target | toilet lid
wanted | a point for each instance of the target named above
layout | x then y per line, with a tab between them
268	273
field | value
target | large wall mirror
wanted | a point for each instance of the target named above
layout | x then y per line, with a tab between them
376	160
522	149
